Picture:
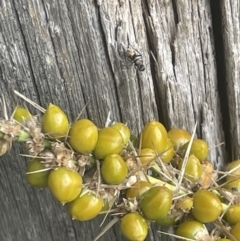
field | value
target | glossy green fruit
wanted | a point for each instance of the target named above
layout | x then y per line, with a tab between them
234	168
233	185
235	231
233	165
86	207
156	202
233	179
21	114
38	179
206	206
191	230
114	169
137	189
168	153
167	221
232	215
64	184
109	142
178	137
193	169
55	122
124	130
199	149
154	136
134	227
83	136
146	156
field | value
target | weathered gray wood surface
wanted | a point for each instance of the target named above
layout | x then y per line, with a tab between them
72	52
231	38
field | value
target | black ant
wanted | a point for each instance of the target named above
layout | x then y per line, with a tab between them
135	58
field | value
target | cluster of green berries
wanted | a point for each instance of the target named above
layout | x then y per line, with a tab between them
109	170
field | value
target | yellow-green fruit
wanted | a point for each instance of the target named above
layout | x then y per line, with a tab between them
147	156
193	169
233	185
138	189
233	179
233	165
55	122
154	136
167	221
235	231
21	114
124	130
83	136
64	184
156	203
168	153
37	179
109	142
134	227
232	215
178	137
114	169
199	149
206	206
192	230
86	207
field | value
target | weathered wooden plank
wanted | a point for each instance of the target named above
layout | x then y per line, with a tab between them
59	57
231	38
73	54
186	77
